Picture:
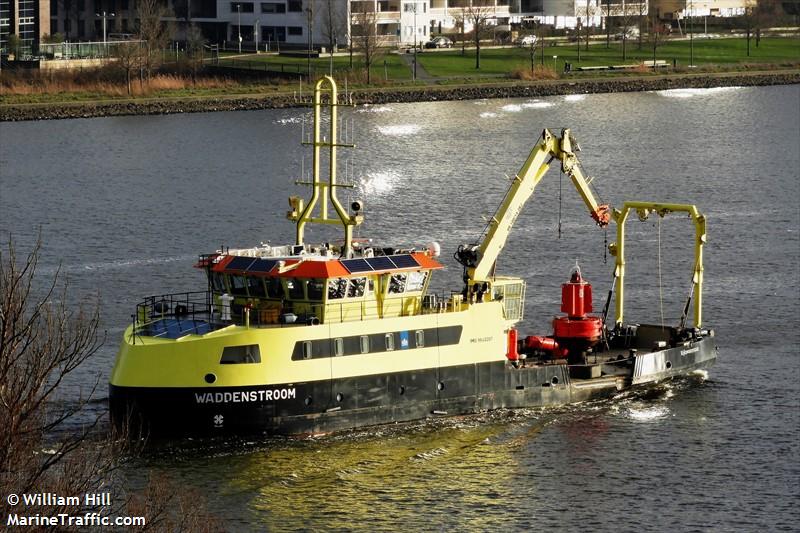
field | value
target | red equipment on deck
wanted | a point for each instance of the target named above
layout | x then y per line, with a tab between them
577	331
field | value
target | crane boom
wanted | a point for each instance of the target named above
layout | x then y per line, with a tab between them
479	259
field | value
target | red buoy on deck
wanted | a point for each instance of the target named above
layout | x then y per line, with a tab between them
577	328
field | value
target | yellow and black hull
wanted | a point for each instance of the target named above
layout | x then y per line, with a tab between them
448	370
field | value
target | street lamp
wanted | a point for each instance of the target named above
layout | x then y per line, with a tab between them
415	40
239	26
255	34
691	36
554	63
105	16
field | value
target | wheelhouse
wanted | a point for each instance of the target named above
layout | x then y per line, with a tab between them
318	289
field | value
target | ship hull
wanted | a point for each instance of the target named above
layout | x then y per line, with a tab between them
324	406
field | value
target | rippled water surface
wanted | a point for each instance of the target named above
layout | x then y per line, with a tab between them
125	205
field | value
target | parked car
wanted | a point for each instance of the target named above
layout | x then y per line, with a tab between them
439	42
526	41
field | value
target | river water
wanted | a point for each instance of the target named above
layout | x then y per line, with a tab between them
126	204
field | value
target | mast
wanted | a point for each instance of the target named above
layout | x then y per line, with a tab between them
324	192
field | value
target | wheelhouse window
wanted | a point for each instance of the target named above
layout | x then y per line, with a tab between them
337	288
274	288
238	285
315	288
356	287
217	281
255	286
295	289
397	283
416	281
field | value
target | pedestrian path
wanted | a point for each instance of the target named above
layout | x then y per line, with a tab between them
422	74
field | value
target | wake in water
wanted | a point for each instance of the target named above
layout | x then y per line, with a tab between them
115	265
372	109
689	93
399	130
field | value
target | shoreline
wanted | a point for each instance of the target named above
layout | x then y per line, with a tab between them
505	89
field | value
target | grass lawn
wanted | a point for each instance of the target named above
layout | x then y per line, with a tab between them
707	52
395	69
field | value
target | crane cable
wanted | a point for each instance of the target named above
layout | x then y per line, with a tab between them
560	180
660	286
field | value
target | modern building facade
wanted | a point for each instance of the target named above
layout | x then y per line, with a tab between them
272	24
29	20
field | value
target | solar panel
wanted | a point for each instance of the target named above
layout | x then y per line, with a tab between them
261	265
239	263
356	265
404	261
380	263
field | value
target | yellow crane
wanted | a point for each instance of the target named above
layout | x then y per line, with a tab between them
479	260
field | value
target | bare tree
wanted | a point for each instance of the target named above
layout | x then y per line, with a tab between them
642	13
194	49
330	24
366	37
130	58
48	443
153	30
43	341
478	13
460	21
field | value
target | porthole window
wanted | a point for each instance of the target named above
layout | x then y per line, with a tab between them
338	347
307	347
389	342
420	338
364	343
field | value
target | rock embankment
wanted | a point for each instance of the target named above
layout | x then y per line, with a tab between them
382	96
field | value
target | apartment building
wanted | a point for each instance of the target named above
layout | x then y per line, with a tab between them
27	19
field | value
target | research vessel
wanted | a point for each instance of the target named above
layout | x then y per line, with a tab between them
310	338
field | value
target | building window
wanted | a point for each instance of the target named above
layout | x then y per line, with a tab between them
273	8
295	30
295	6
246	7
274	33
53	10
